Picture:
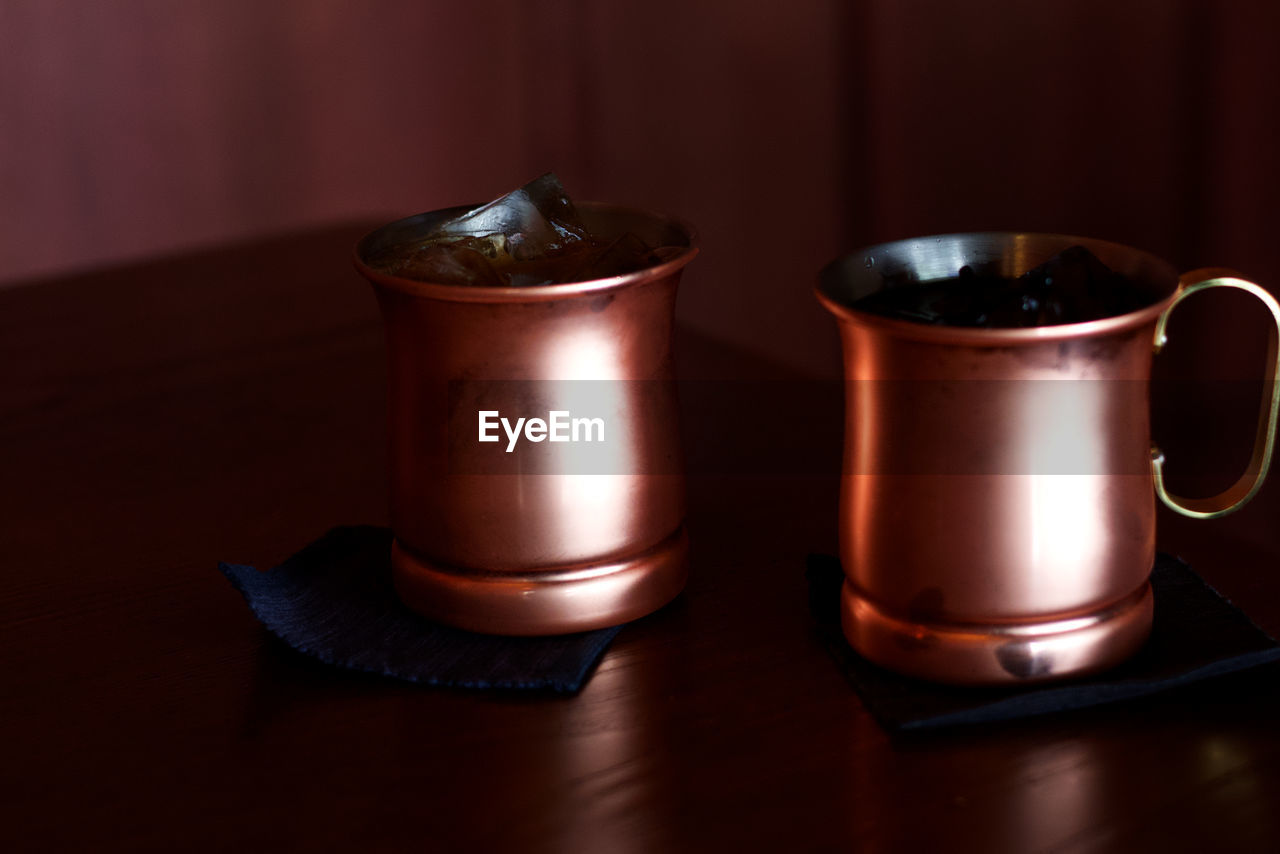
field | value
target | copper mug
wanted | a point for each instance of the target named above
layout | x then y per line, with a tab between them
522	544
998	498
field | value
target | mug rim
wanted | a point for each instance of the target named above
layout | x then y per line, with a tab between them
837	274
524	293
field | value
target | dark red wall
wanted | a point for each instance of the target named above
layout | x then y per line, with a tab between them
787	132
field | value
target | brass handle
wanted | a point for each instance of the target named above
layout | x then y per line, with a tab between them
1250	482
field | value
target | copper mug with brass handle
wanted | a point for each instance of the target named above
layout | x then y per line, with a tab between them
998	498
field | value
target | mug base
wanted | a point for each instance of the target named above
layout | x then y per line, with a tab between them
998	653
551	601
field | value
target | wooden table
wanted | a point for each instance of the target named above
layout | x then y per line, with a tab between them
228	405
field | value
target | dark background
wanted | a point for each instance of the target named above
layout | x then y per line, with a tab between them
786	132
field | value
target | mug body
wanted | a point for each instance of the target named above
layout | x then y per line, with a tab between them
513	533
997	511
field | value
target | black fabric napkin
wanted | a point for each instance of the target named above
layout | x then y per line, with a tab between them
1196	634
334	600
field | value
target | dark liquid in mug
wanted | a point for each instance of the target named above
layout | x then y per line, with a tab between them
531	236
1071	287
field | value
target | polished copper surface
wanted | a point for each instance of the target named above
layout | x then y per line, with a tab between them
997	510
535	542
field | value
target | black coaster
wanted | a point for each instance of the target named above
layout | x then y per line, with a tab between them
1196	634
334	600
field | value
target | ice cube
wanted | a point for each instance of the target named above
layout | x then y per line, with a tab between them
534	221
1071	287
625	255
532	236
596	259
456	263
1075	284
